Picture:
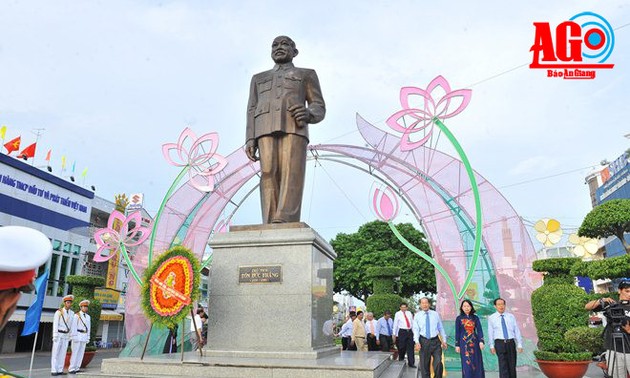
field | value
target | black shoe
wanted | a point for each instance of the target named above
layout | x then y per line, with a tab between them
412	366
54	373
73	372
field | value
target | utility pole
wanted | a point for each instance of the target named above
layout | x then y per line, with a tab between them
37	133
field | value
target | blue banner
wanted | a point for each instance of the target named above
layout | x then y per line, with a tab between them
34	313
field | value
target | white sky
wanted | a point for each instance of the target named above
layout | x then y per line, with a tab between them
111	81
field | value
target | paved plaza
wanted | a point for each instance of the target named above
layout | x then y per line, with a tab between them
19	362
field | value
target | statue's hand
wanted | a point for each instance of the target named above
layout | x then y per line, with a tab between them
300	113
251	150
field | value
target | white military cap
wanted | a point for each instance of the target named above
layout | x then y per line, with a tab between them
22	251
84	302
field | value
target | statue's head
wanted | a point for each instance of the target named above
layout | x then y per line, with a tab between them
283	49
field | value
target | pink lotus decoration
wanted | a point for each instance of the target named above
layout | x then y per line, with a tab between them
200	157
110	239
435	103
385	203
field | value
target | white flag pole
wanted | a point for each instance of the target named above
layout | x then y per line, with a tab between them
30	369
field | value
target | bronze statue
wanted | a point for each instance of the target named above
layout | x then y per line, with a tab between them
282	102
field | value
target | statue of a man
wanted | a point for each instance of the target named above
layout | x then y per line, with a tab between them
282	102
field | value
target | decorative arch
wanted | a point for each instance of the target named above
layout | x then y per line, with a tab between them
429	181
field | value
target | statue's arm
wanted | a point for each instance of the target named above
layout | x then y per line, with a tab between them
251	109
250	140
314	98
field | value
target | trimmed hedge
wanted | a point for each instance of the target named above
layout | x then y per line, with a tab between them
383	271
379	303
614	267
83	288
384	297
585	338
551	356
93	281
558	306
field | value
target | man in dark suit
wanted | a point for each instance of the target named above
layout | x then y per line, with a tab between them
282	102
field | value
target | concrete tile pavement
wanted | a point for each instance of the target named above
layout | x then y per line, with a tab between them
522	372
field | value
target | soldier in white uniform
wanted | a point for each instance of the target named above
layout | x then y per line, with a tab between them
80	336
62	325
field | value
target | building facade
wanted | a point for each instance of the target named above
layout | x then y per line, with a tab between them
68	214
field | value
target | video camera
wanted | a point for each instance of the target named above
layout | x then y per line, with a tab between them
616	313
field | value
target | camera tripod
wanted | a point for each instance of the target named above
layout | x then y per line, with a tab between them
616	364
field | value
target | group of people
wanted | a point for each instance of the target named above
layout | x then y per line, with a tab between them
198	332
369	335
424	333
69	327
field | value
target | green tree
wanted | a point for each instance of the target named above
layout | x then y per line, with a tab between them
611	218
374	244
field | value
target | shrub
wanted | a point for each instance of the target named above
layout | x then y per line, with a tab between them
379	303
83	288
551	356
558	306
585	338
610	268
384	297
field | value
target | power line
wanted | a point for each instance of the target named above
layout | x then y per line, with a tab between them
544	177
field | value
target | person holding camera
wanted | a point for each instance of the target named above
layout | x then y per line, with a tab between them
616	313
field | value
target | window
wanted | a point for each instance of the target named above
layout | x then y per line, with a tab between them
53	279
73	269
56	245
62	277
67	247
76	249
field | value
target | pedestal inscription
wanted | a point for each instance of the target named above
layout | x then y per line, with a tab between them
260	274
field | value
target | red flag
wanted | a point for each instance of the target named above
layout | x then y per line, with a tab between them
48	156
13	145
28	151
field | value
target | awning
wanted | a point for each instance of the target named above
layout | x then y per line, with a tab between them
18	316
111	316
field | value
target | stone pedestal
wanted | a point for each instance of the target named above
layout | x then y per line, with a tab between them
270	293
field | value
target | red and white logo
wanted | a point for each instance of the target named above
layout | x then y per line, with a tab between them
575	49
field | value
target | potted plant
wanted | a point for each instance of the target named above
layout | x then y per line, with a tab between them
557	307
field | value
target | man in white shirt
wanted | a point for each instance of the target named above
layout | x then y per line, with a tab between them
80	333
427	330
504	338
370	331
403	335
346	333
62	325
195	331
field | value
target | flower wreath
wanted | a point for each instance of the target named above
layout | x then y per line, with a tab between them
170	286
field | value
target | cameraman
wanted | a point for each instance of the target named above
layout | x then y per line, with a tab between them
612	310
